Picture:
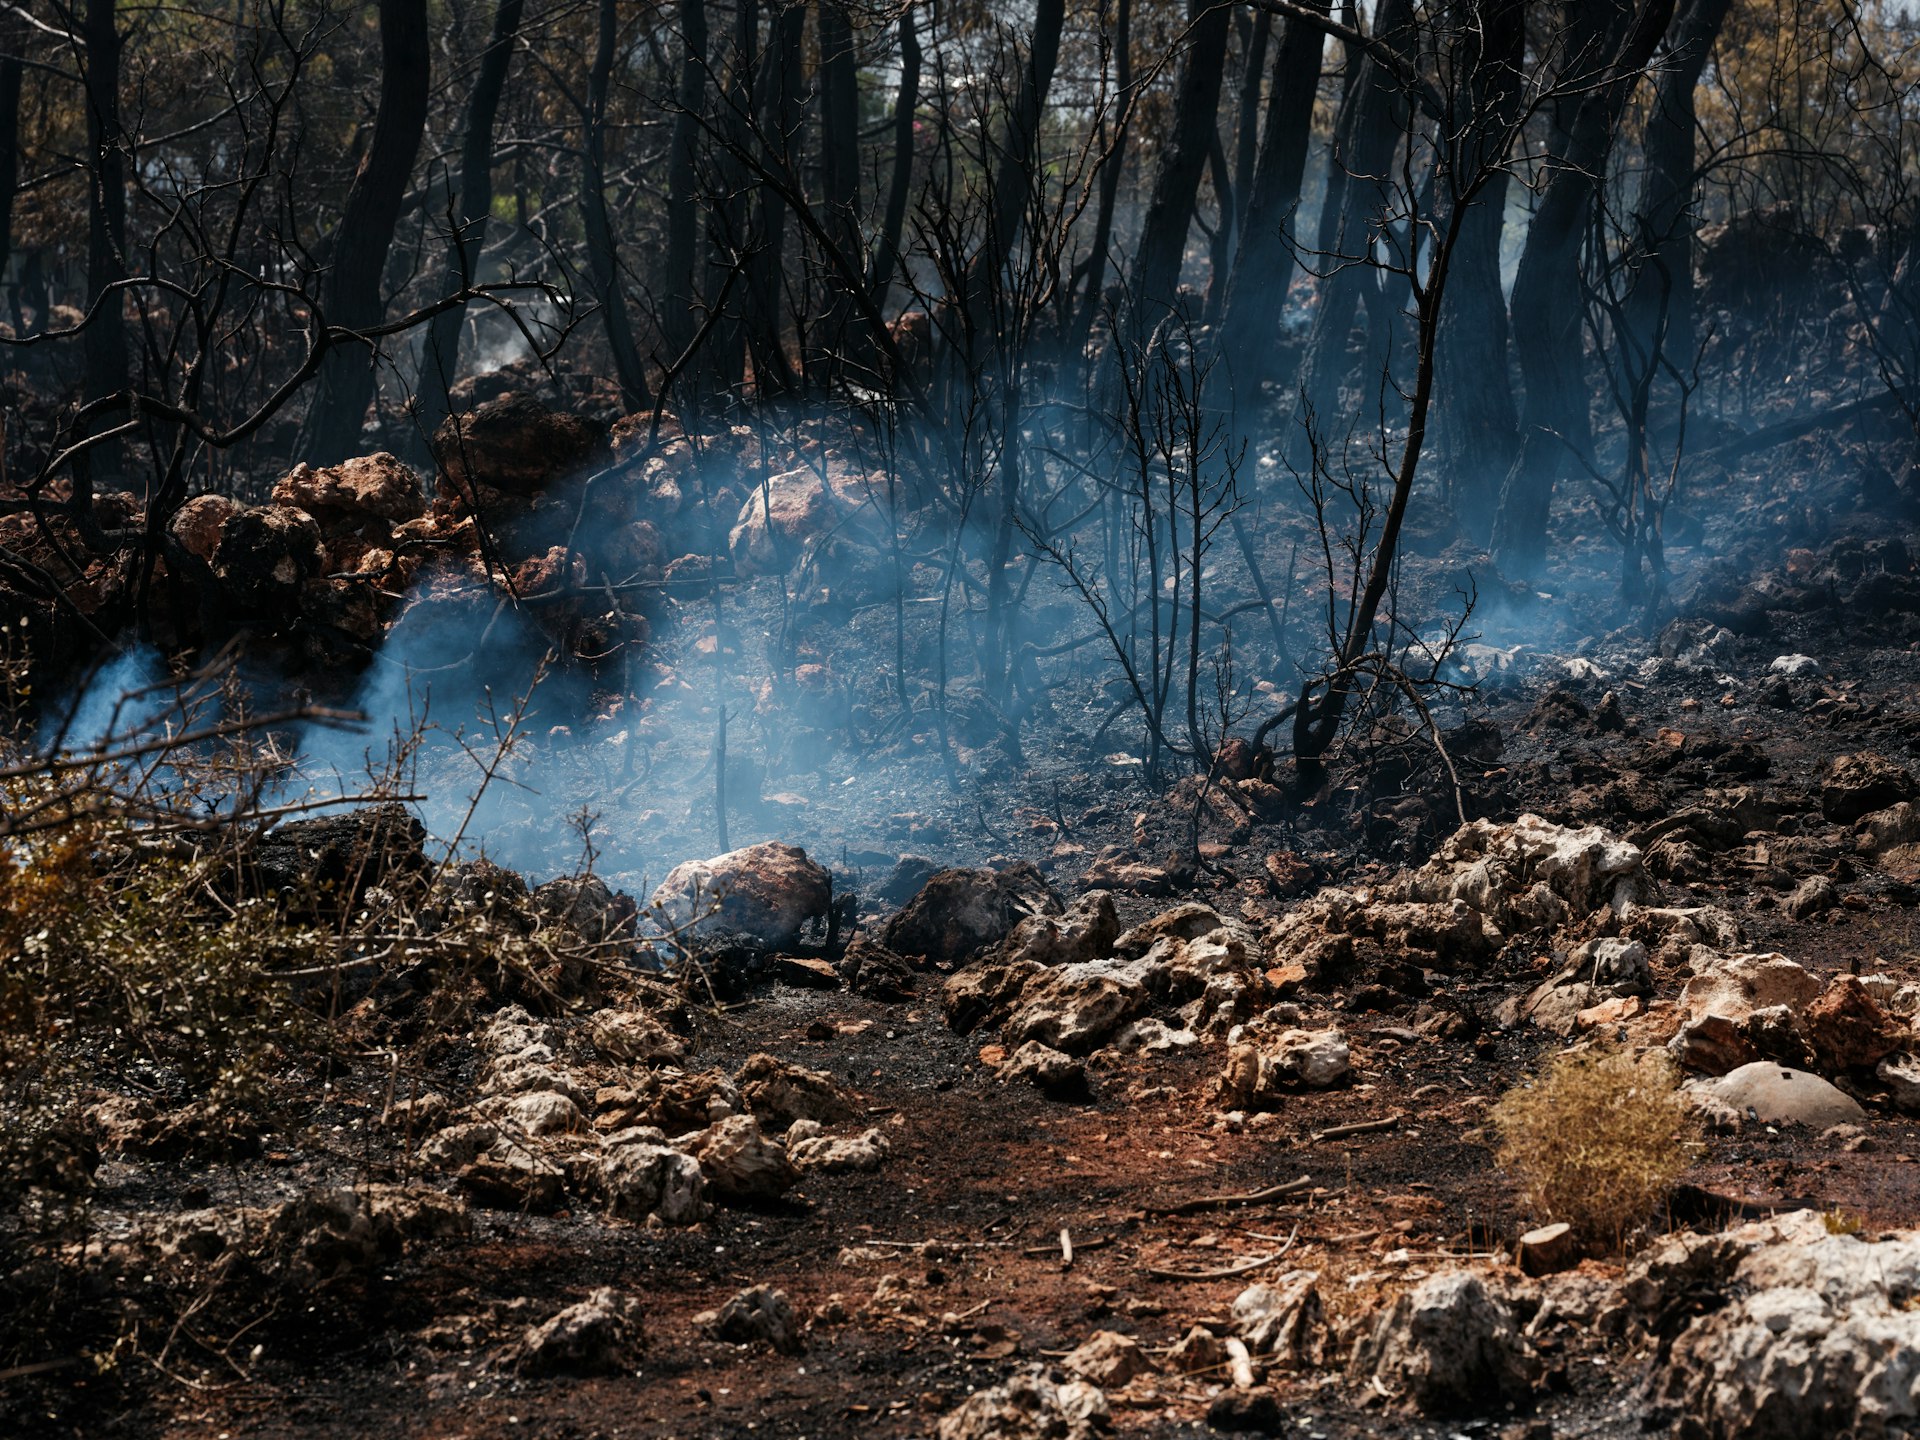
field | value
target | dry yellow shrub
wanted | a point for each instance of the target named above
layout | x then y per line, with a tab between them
1597	1140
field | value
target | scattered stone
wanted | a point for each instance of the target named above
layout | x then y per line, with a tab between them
1847	1030
1777	1095
1200	1352
830	1156
1285	1322
1086	932
1109	1360
742	1164
1052	1071
512	444
1735	986
1901	1075
1858	785
757	898
1819	1337
759	1315
1813	896
635	1037
1794	667
1076	1007
780	1091
587	906
598	1336
958	913
1026	1407
871	969
535	1112
642	1178
1447	1346
1150	1035
1265	1062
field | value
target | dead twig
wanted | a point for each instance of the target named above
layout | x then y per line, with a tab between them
1223	1202
1225	1272
1358	1127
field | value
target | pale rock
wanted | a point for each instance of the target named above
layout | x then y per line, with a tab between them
598	1336
759	897
1026	1407
1051	1070
1150	1035
1734	986
635	1037
1200	1352
1901	1075
740	1163
1285	1321
1109	1360
1076	1007
1777	1095
1265	1062
1795	666
828	1155
640	1178
1447	1346
1085	932
535	1112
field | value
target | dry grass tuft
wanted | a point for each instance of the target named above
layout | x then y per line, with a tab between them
1598	1140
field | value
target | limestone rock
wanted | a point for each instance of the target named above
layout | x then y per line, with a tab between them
1108	1359
1026	1407
742	1164
759	1315
780	1091
640	1178
1284	1321
367	487
1448	1346
958	913
829	1155
759	897
1086	932
1265	1061
635	1037
1053	1071
1847	1030
1778	1095
1857	785
1076	1007
598	1336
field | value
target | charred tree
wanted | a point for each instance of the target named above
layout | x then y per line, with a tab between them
777	120
1373	119
352	297
440	362
1474	413
603	251
1609	47
1093	269
12	38
1249	322
839	188
678	321
105	342
1664	218
1176	183
886	251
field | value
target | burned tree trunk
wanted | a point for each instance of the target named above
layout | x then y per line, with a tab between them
1014	166
1249	324
1176	184
886	251
1663	219
105	342
778	118
839	189
11	68
1609	49
1373	119
352	297
440	361
1099	253
603	254
677	322
1475	416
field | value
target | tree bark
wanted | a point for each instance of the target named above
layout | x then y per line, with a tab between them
603	247
1176	184
678	322
780	117
352	295
1476	421
1664	218
1099	253
886	254
105	342
1257	287
12	37
840	187
1015	166
1374	119
440	359
1612	46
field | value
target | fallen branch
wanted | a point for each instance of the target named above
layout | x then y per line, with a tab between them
1223	1202
1226	1272
1357	1127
